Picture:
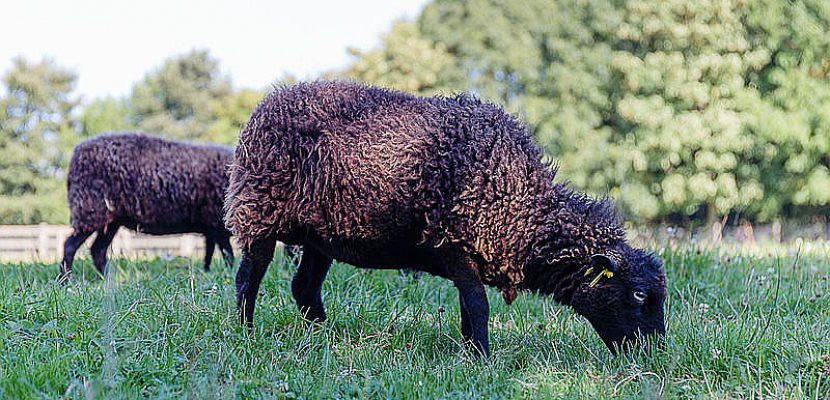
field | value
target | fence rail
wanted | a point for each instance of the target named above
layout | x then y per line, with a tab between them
45	243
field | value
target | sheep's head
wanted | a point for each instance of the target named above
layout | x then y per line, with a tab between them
622	294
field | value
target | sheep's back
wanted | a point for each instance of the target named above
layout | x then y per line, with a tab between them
357	164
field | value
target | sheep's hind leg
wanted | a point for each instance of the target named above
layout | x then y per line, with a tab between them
224	243
210	245
70	247
255	260
100	245
306	287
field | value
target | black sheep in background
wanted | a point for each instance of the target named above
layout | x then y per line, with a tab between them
147	184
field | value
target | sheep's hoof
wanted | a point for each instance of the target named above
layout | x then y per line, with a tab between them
313	314
64	278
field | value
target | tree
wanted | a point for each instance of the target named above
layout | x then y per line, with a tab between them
105	115
232	113
36	122
179	99
678	85
676	108
406	61
793	113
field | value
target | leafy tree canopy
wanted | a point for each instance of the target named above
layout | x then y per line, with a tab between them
408	61
179	99
675	108
37	128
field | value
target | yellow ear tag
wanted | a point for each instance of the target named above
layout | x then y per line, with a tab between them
605	272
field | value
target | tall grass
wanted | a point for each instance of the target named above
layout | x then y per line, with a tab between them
738	327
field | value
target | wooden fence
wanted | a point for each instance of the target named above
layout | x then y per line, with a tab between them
45	243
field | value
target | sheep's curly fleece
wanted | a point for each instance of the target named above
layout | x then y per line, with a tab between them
375	178
148	184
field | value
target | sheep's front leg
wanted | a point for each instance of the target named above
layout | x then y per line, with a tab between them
307	285
255	260
474	304
466	326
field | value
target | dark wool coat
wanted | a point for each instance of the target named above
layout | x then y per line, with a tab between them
371	174
448	185
151	184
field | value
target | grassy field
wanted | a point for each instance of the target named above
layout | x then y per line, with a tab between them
738	327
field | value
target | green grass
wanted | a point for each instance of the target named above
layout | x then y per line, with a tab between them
738	327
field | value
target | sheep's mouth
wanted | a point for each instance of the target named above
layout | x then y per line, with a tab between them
618	341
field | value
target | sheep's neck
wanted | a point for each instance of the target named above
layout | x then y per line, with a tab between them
560	253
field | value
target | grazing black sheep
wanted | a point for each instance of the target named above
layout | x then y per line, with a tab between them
146	184
450	186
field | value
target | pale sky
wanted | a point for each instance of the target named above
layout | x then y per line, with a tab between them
113	44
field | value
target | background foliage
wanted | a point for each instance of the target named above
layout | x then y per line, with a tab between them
683	111
676	108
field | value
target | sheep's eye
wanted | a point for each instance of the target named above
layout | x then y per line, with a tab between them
639	296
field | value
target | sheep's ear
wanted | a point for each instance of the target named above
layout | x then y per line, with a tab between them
603	262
